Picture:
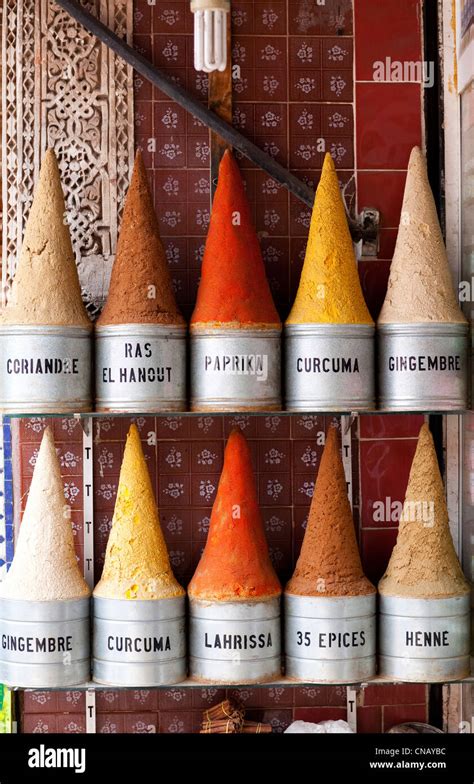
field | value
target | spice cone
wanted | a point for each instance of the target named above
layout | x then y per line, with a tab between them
329	562
45	567
424	563
420	287
235	564
234	290
137	564
140	286
329	290
46	288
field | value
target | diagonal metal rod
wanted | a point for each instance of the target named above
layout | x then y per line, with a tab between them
153	74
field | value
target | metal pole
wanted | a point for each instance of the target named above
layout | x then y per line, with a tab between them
231	135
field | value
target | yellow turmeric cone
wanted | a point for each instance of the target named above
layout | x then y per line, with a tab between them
329	602
234	593
329	332
329	290
138	603
44	598
424	596
45	362
137	564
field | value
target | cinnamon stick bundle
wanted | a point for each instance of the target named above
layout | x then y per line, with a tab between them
223	727
224	710
255	728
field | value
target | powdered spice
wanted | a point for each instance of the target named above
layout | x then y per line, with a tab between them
420	287
44	566
140	290
46	288
234	289
424	563
329	291
137	564
329	562
235	564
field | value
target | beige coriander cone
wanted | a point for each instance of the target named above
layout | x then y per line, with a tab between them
46	289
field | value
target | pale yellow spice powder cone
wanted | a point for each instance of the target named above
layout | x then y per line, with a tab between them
137	564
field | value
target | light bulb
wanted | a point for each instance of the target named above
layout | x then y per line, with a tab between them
210	34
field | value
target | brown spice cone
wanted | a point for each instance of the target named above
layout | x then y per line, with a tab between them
329	562
140	287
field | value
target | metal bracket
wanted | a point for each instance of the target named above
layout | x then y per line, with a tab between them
366	231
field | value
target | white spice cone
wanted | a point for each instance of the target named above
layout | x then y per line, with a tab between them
44	566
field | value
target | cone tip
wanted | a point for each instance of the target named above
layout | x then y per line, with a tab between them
425	434
49	163
227	162
328	165
236	436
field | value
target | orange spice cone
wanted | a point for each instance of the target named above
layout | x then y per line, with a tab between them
234	289
329	332
234	593
234	313
140	334
329	602
139	634
422	334
45	345
424	596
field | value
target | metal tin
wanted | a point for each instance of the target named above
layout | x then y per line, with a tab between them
139	643
330	639
235	642
235	369
424	639
140	367
329	367
45	369
44	644
422	367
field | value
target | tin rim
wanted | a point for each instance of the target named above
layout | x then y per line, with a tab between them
356	331
22	610
222	332
138	609
46	330
265	610
412	607
331	607
424	329
151	330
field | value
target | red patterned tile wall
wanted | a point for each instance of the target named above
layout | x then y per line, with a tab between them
296	96
176	710
292	95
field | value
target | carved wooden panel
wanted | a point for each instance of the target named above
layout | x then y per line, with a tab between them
61	88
